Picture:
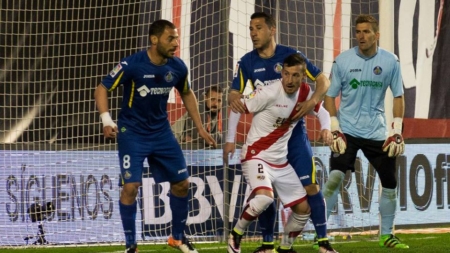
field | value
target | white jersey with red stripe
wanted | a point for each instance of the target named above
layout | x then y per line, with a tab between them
271	127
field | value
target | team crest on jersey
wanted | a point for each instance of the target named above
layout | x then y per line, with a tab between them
168	77
115	70
377	70
261	177
251	95
127	175
278	67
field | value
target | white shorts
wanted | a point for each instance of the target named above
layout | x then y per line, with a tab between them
260	175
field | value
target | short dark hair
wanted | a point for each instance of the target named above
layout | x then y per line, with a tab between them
215	88
364	18
157	28
294	59
270	21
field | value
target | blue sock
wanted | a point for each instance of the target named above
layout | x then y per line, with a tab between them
266	223
179	207
331	189
387	206
317	204
128	216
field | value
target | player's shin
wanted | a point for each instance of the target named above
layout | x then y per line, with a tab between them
294	226
267	223
388	204
179	207
331	189
318	214
128	217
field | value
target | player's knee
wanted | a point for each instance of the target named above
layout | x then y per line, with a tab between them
301	208
129	191
334	181
180	189
260	203
388	182
312	189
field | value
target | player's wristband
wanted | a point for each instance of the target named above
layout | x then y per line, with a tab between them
335	124
397	125
106	119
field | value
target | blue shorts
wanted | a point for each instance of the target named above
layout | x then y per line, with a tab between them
163	153
300	155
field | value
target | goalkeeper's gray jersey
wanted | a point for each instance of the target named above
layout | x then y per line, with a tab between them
363	83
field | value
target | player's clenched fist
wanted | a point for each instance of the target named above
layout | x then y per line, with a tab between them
394	143
109	127
339	143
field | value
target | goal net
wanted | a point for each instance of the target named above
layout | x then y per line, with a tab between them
60	176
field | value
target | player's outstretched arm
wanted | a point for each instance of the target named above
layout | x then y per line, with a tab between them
101	100
322	85
191	105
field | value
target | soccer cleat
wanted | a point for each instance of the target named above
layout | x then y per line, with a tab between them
325	247
391	241
290	250
132	249
183	245
234	242
315	245
265	248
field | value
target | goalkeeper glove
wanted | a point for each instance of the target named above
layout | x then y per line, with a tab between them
339	143
394	143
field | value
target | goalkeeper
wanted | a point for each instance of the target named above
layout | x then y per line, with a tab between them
362	75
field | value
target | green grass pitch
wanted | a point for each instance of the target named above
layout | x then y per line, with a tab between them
419	243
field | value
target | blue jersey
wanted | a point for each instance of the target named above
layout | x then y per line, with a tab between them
265	71
362	83
146	88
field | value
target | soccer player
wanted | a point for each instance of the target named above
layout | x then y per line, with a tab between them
264	154
361	75
147	78
262	67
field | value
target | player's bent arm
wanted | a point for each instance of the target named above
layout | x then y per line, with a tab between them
322	85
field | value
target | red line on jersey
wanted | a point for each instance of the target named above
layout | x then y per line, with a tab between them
337	26
267	141
176	14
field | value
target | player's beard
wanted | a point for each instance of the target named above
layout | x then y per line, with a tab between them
164	52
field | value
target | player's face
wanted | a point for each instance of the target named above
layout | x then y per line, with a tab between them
260	33
214	101
366	38
292	78
167	43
